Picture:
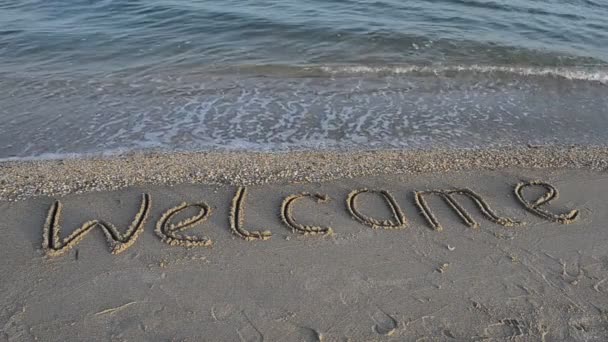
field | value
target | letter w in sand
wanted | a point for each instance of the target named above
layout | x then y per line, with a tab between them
53	245
448	197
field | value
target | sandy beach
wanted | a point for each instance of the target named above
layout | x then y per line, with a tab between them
368	246
299	171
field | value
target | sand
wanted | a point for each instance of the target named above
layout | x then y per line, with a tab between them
19	180
375	246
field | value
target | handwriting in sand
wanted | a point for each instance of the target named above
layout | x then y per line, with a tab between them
173	233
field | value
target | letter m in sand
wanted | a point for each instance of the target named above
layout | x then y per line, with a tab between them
449	197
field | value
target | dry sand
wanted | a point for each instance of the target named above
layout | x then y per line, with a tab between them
263	264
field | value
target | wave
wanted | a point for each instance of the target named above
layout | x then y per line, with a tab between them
185	77
571	73
592	73
279	108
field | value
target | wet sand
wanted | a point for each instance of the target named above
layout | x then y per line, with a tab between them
25	179
383	246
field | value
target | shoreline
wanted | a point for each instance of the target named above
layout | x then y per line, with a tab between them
21	180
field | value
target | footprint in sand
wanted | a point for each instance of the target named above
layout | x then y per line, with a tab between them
247	331
306	334
589	328
505	329
385	324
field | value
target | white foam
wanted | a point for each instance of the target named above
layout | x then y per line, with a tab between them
599	74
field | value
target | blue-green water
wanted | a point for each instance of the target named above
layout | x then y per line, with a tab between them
115	75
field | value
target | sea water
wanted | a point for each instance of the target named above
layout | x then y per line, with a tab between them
110	76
